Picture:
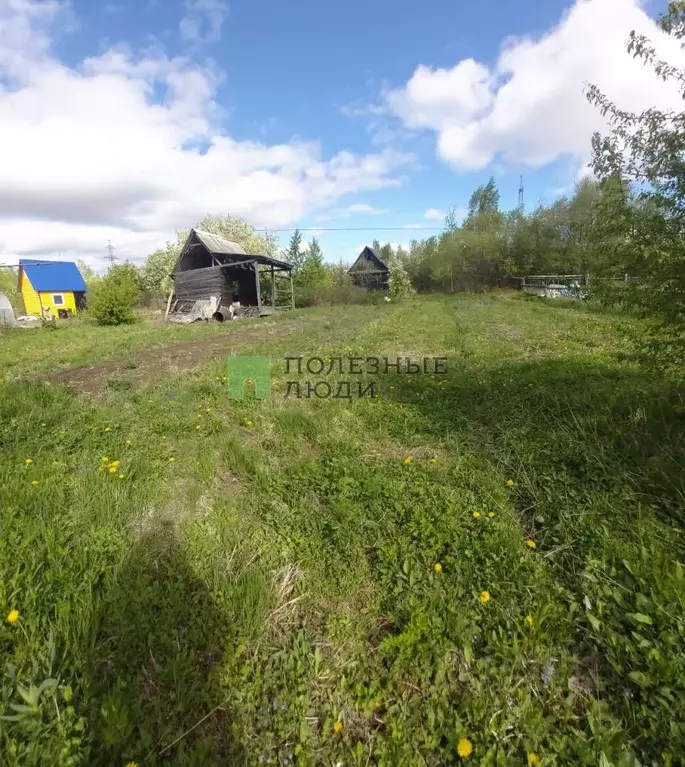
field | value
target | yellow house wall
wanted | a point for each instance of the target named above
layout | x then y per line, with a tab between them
32	300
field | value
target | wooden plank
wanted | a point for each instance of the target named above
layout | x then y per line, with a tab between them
168	304
256	276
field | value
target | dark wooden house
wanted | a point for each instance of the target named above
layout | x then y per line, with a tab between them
369	270
214	278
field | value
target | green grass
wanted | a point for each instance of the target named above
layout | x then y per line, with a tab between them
250	583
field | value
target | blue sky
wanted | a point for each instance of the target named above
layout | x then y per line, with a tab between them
135	118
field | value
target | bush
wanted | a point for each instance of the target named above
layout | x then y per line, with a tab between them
112	299
332	295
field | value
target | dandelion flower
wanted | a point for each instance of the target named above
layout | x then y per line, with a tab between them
533	759
510	482
115	463
35	483
529	621
104	459
121	476
197	426
491	514
531	544
112	469
172	459
209	410
27	461
476	514
464	748
13	616
432	460
338	727
484	596
132	764
437	567
108	428
128	442
407	460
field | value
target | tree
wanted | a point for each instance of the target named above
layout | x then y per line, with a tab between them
156	272
295	255
313	272
399	284
88	274
640	230
112	299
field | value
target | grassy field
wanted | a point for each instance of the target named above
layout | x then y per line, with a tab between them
480	567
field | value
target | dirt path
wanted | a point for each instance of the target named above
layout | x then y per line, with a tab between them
141	366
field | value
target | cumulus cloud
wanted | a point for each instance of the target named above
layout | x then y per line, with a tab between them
203	21
433	214
128	146
529	106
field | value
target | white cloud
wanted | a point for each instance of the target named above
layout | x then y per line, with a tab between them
203	21
356	209
363	208
433	214
128	147
529	107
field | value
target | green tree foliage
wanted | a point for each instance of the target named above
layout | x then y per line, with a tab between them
399	284
640	230
294	254
155	275
8	286
113	298
313	272
89	275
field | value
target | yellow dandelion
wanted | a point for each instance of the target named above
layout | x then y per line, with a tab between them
510	482
172	459
132	764
408	460
121	476
464	748
209	410
528	620
13	616
437	567
104	459
476	514
484	596
338	727
108	428
533	759
128	442
112	469
197	426
115	463
35	483
27	461
432	460
531	544
491	514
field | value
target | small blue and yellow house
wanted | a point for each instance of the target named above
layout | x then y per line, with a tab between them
51	288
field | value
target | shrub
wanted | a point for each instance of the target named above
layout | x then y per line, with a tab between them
112	299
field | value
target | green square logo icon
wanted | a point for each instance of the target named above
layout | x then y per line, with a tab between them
243	369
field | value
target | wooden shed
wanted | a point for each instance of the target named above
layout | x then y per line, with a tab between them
215	278
369	270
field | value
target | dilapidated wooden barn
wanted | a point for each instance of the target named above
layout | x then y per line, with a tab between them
369	270
215	278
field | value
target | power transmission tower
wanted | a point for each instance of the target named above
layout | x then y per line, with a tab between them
521	195
110	253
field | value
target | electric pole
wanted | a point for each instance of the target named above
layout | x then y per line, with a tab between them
110	253
521	195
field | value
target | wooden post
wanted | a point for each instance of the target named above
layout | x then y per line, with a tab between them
292	290
168	305
256	277
273	287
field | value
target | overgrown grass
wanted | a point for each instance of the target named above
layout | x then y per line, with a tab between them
259	586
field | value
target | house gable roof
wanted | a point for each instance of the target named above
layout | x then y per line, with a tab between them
220	246
45	276
368	254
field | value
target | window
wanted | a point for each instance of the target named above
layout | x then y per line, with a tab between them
58	299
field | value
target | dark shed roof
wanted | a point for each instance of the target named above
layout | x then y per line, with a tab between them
225	251
368	255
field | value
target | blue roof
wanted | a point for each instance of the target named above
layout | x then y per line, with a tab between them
52	275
